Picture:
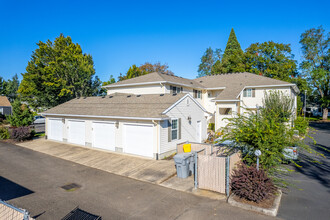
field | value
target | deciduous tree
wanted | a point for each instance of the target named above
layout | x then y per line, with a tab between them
316	65
208	60
271	59
57	72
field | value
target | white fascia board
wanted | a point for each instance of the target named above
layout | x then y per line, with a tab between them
230	100
150	83
267	86
134	84
215	88
180	100
97	116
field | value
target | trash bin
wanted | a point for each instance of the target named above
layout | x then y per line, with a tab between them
182	162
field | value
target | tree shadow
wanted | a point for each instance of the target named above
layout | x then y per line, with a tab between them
10	190
324	126
316	167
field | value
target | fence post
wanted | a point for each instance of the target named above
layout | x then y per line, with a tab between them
227	176
195	176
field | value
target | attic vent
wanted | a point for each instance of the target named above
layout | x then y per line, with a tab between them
128	96
110	96
138	96
161	94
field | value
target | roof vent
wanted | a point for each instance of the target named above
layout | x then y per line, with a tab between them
161	94
201	81
85	97
103	97
174	94
138	96
110	97
128	96
191	82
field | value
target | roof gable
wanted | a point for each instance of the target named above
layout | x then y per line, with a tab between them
4	101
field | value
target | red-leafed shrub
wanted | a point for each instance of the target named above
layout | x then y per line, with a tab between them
21	133
250	184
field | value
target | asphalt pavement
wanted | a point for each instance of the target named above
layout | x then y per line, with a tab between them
309	195
33	180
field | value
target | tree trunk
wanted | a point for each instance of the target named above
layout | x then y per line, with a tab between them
325	114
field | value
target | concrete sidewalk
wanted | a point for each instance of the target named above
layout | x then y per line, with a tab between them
125	165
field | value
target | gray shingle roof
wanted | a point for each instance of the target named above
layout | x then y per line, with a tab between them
118	105
235	82
158	77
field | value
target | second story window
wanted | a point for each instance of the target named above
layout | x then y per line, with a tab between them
197	94
249	93
175	89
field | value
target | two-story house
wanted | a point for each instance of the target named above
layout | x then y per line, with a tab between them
222	95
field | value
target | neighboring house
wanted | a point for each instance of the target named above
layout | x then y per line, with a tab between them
5	106
223	95
148	125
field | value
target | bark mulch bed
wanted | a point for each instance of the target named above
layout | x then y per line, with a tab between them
268	203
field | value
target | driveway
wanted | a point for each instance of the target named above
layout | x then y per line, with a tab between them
309	198
125	165
33	180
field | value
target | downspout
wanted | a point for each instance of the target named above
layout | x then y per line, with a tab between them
158	139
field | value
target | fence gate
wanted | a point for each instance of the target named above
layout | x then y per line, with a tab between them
211	172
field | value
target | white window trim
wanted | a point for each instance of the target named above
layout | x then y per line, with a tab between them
177	128
247	93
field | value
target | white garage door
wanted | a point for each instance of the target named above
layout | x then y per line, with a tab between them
138	139
76	134
104	135
55	129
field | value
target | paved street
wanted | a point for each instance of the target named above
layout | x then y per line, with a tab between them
310	197
32	180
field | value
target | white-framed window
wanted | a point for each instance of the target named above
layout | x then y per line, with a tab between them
197	94
174	129
249	93
175	89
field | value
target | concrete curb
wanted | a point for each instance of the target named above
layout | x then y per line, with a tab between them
270	211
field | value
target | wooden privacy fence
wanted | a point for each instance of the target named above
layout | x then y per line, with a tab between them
211	173
213	165
214	172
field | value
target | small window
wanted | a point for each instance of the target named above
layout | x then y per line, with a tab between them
197	94
249	93
174	129
225	111
175	89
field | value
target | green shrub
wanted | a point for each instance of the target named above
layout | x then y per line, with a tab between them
4	133
301	124
212	126
250	184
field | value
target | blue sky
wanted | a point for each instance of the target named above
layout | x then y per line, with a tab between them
121	33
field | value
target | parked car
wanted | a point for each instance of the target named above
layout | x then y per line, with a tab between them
39	119
290	153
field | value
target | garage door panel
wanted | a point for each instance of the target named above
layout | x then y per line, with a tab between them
76	132
138	139
55	129
104	135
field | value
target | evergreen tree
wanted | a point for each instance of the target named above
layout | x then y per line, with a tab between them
12	86
22	116
232	59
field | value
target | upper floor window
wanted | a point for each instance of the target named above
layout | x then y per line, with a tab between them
225	111
249	93
176	89
197	94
